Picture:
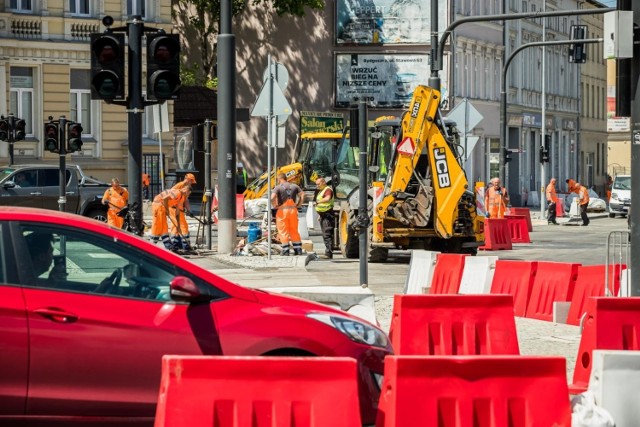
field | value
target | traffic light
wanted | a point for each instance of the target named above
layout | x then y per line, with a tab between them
163	66
577	52
4	129
19	130
107	66
52	137
506	155
544	149
74	138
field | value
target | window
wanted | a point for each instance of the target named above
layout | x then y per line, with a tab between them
20	5
21	95
79	7
72	260
80	100
136	7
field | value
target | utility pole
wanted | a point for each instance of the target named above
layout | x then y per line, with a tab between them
227	227
635	150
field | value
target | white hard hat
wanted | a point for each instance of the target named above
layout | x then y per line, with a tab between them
239	165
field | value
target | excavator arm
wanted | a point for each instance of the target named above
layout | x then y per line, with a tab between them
420	132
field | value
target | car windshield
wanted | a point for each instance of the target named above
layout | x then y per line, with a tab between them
622	183
5	172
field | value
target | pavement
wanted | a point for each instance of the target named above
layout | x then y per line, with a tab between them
384	280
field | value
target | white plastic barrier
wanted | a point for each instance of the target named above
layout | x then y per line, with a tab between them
352	299
420	271
625	281
477	275
614	381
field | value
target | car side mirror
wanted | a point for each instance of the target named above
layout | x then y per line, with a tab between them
183	289
9	184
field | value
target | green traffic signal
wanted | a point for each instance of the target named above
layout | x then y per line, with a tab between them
74	141
52	136
163	66
19	130
4	129
107	66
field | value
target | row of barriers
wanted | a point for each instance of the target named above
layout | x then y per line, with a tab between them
544	290
457	363
302	392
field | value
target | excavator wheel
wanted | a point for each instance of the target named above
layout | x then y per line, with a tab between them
349	244
378	254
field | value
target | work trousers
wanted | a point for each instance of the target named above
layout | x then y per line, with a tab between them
327	224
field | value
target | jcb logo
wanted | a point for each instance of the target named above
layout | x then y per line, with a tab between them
416	107
442	168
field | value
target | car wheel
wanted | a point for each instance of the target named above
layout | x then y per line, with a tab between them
612	215
98	215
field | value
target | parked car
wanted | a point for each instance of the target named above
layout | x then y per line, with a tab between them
87	311
38	186
596	204
620	201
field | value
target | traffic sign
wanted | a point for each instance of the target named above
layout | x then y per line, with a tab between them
280	75
271	102
465	115
407	146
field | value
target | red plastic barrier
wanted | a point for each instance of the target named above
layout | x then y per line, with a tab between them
525	212
515	278
447	274
590	283
496	234
518	229
554	281
257	391
239	206
480	391
453	325
610	324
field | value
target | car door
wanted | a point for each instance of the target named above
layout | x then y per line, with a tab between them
49	180
95	349
21	189
14	340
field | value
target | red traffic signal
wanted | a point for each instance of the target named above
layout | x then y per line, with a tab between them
107	66
4	129
52	137
19	130
74	140
163	66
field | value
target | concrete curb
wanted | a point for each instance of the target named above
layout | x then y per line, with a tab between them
262	262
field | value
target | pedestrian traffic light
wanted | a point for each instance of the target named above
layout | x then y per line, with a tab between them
52	137
107	66
74	138
4	129
19	130
506	155
163	66
577	52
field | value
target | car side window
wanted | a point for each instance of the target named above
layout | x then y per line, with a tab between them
71	260
26	179
51	177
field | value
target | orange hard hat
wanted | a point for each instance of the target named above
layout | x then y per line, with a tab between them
190	177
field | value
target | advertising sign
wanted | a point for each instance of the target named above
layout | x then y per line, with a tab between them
383	81
361	22
312	121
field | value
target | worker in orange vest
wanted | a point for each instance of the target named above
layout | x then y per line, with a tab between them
583	196
552	198
146	182
160	208
496	199
116	198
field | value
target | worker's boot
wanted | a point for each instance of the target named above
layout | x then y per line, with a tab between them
285	250
297	248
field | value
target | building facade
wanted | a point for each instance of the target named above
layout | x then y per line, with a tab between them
45	65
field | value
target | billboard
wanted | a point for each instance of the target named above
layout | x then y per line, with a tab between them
314	121
364	22
383	81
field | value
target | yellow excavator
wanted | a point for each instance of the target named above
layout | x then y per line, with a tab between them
419	197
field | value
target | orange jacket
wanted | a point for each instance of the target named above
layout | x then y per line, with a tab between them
583	194
551	193
496	204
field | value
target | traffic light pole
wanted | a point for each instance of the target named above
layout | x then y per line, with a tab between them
207	180
635	156
62	199
135	109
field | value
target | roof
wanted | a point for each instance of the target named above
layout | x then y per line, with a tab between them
196	103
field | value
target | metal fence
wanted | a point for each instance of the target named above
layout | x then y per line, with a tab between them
618	260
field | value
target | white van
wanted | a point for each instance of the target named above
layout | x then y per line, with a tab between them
620	201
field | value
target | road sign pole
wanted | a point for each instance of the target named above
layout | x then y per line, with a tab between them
269	140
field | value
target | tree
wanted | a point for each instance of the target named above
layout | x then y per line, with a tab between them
203	17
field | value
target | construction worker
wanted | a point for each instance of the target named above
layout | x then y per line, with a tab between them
496	199
241	178
159	210
287	197
571	186
583	197
116	198
178	227
324	207
189	180
146	182
552	198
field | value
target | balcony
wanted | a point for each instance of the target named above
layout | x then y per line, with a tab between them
31	27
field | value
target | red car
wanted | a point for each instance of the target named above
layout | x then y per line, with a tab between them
87	311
